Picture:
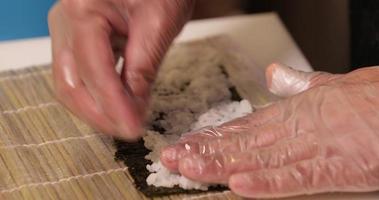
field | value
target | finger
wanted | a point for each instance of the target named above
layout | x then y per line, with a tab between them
171	154
74	96
238	125
148	40
69	88
256	138
261	116
285	81
93	53
269	114
306	177
216	168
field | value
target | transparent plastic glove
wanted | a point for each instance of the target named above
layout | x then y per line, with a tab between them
323	139
84	36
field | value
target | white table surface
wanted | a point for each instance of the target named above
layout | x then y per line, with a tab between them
263	36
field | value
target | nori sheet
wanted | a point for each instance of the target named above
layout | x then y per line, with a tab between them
133	155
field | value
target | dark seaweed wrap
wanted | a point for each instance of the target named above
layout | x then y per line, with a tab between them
133	155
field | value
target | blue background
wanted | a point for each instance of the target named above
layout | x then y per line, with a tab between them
23	18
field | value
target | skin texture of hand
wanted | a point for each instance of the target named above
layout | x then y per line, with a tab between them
323	138
85	34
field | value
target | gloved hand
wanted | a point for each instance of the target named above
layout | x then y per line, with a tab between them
84	35
323	139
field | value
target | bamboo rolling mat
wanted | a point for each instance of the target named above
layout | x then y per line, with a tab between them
47	153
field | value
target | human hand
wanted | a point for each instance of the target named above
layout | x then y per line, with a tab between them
84	35
323	139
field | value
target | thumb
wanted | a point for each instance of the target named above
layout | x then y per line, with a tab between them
147	44
285	81
143	55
